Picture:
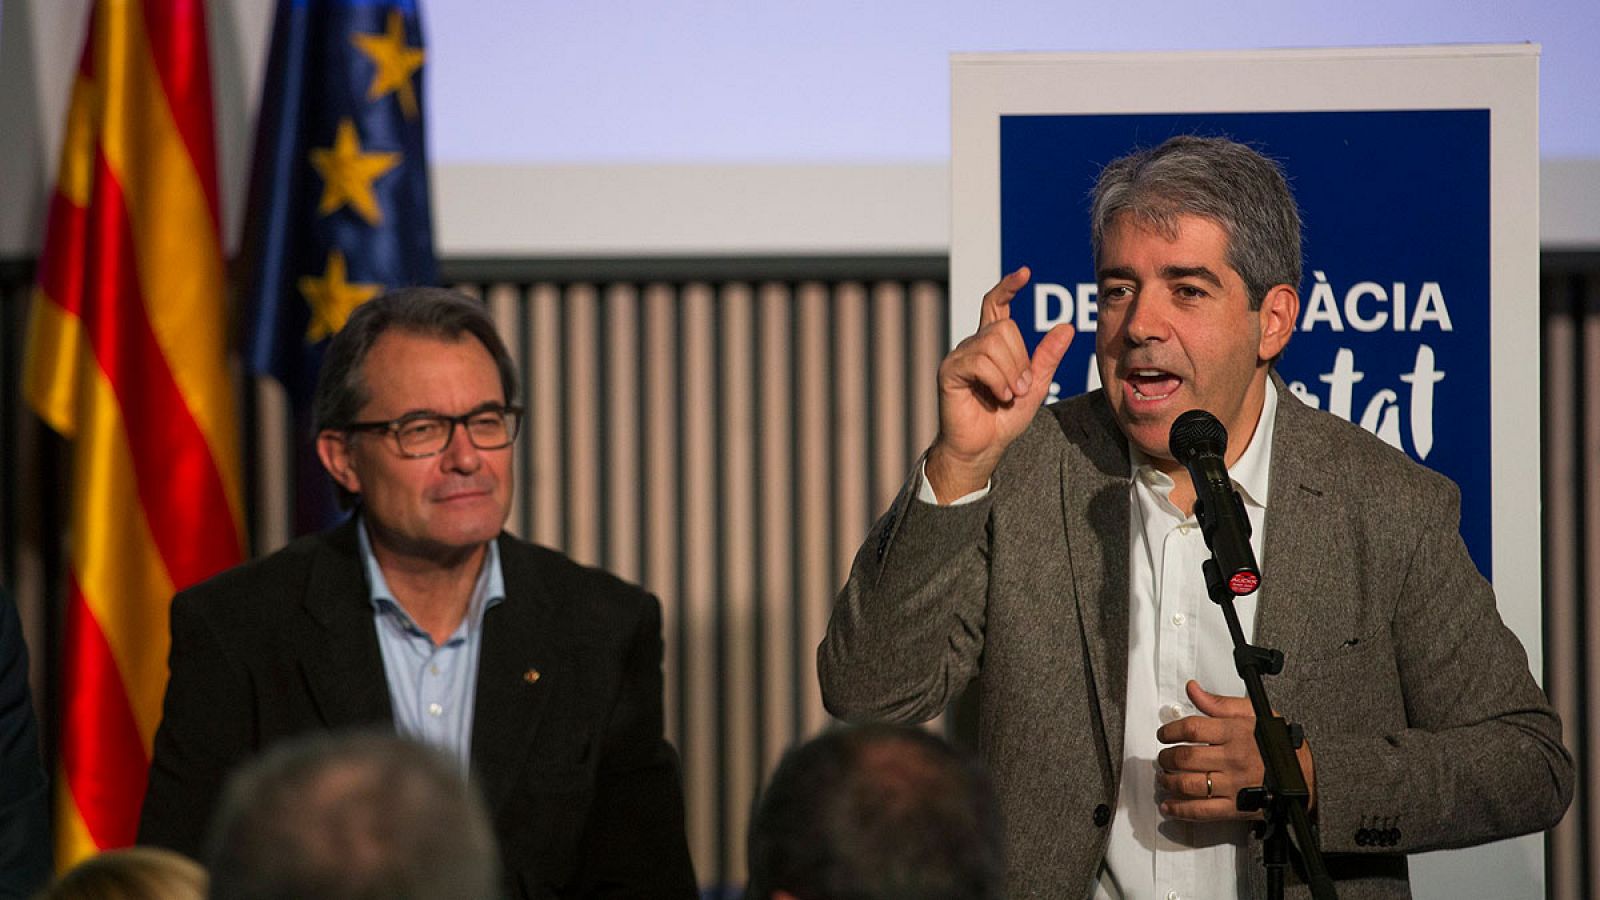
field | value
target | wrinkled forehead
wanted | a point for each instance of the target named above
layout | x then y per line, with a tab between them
1132	231
406	368
1164	218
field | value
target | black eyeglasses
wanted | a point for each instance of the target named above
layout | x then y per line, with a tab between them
417	435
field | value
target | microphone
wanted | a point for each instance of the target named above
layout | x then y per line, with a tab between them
1199	441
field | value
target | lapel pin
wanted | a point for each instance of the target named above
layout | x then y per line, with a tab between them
530	676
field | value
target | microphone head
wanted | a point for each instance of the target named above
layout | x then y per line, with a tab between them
1194	433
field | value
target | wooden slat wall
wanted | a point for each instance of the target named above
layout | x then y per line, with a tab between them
1570	296
726	444
725	441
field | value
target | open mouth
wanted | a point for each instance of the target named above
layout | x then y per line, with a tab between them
1153	384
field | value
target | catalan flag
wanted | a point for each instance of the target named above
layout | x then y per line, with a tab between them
338	209
127	358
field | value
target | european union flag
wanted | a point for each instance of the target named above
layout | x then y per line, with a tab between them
338	208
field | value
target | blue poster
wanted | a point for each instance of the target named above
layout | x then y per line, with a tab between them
1394	305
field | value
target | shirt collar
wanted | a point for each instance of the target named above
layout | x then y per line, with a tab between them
489	589
1250	474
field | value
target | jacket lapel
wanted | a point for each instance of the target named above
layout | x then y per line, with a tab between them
342	664
1095	508
518	653
1301	504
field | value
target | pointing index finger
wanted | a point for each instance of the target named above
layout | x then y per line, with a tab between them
997	303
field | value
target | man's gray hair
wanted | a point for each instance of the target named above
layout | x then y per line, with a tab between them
1215	178
356	816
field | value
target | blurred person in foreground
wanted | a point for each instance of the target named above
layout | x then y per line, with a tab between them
539	676
133	873
876	812
1052	555
351	817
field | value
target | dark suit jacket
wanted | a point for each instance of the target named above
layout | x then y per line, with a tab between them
582	788
1426	728
25	858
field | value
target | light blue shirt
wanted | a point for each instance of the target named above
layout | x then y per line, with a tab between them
432	686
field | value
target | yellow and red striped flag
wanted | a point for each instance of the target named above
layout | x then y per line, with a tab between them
127	358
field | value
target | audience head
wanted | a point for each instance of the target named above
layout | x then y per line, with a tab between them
876	812
135	873
352	817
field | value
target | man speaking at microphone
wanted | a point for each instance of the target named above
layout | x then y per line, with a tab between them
1053	556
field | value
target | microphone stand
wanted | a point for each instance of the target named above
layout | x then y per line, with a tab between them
1284	796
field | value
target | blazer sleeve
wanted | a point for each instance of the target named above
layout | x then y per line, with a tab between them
25	856
204	732
1480	757
634	842
907	629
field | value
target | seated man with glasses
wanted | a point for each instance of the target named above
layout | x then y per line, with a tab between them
542	677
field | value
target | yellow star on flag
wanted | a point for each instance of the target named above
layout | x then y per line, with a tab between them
347	174
332	298
396	62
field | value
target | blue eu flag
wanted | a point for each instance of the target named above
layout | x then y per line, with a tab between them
338	208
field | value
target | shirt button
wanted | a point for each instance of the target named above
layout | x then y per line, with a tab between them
435	710
1178	620
1173	895
433	669
1172	712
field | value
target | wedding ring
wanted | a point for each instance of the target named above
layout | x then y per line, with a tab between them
1208	785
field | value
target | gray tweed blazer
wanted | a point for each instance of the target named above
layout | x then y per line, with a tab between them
1426	727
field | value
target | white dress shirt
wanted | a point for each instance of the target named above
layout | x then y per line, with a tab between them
1176	633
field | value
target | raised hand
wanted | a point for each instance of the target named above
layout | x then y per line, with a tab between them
988	392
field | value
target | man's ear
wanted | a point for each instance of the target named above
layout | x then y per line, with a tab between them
1280	309
333	448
